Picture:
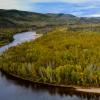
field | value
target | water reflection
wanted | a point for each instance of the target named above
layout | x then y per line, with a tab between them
42	92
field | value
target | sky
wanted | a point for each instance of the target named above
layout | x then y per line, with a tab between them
81	8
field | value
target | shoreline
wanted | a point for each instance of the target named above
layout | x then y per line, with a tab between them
94	90
90	90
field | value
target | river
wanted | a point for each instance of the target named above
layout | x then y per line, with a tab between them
16	89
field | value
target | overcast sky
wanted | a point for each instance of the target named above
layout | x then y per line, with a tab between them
76	7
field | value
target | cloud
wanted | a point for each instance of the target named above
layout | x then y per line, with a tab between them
76	7
84	9
14	4
68	1
8	4
94	15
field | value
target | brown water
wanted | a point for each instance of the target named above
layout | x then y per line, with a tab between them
15	89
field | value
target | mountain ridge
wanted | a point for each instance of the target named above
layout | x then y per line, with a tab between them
13	18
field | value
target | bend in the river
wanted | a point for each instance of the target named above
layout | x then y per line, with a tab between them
16	89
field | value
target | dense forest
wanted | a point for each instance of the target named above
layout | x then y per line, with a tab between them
60	57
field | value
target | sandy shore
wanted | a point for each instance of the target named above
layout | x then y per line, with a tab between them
89	90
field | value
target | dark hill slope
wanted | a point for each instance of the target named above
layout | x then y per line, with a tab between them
16	17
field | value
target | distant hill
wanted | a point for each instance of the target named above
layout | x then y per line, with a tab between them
13	18
9	18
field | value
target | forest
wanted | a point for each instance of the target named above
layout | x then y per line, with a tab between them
62	57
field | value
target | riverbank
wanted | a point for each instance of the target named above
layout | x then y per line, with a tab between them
6	34
94	90
20	38
89	90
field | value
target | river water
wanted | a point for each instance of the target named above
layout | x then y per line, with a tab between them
16	89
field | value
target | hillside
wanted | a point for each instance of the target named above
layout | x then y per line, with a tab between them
13	18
